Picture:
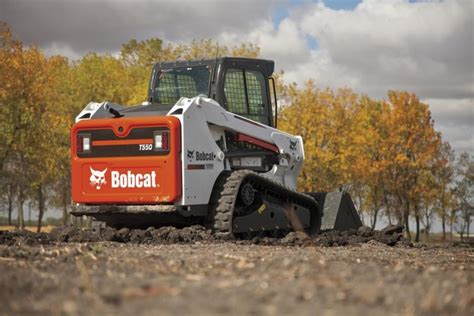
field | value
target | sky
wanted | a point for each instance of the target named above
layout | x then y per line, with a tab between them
370	46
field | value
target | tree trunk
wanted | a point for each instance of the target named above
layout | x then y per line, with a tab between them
428	225
399	211
29	214
40	207
374	220
65	215
468	226
10	206
21	221
387	209
427	233
358	200
417	220
400	217
443	225
406	215
451	219
64	202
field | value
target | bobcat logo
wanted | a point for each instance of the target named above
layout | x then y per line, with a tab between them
191	154
97	178
293	145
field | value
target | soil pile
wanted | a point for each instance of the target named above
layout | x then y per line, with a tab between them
391	236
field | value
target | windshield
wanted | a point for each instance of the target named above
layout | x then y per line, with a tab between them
172	84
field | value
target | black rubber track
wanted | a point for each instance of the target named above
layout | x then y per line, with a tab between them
225	194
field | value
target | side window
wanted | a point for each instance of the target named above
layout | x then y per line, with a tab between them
256	95
234	90
245	94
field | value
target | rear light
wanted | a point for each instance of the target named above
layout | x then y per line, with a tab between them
161	140
80	144
83	143
165	142
87	144
158	141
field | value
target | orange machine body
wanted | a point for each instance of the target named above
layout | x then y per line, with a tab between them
121	165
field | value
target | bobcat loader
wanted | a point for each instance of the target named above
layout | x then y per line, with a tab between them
204	148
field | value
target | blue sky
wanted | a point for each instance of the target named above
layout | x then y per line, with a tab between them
283	10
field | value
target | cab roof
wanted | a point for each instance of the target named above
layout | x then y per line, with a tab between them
266	66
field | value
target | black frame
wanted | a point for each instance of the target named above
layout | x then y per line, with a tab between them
119	150
218	68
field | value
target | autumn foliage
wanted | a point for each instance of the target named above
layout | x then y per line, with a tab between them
385	152
378	150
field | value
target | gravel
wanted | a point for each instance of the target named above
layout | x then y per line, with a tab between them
187	271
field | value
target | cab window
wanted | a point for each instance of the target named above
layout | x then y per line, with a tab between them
245	94
172	84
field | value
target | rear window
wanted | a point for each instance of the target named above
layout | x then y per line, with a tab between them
172	84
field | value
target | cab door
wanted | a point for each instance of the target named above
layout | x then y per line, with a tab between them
244	90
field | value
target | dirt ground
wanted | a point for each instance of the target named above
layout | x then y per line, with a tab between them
45	229
171	271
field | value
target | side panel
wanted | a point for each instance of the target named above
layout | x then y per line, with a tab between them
203	160
200	113
126	175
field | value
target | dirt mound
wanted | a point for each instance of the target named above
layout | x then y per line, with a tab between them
391	236
24	237
139	236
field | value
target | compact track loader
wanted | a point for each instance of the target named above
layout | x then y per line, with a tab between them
204	148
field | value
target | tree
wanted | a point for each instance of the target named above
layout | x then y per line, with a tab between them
99	78
413	144
464	192
11	90
7	193
443	176
29	96
323	119
429	201
18	98
379	150
370	165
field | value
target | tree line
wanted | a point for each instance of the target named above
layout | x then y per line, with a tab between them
386	153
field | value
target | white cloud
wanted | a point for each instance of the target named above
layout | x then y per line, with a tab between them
452	112
285	43
323	71
424	47
63	50
103	25
454	118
